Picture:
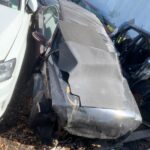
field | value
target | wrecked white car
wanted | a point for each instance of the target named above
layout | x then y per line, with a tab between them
79	85
15	16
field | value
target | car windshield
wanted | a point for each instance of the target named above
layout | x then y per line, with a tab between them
11	3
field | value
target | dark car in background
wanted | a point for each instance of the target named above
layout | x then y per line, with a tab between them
78	83
133	46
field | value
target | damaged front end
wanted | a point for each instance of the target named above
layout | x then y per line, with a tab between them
90	121
86	88
89	94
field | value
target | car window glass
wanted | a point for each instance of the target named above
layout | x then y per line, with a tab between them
50	21
11	3
132	33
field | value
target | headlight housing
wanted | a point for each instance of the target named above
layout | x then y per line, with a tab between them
6	69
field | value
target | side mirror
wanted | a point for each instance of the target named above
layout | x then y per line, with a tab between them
32	5
39	37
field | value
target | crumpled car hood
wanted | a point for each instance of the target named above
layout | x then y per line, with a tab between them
89	93
9	27
94	72
88	55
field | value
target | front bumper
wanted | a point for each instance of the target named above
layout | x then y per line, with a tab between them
101	123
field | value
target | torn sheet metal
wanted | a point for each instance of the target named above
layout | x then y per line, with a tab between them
95	101
91	122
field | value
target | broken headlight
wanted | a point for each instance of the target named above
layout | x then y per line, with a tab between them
6	69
